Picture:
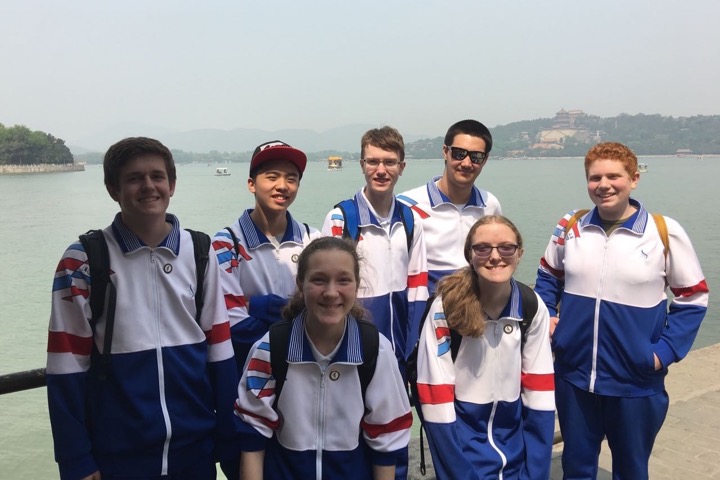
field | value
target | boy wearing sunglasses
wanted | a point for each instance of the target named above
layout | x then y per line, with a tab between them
450	204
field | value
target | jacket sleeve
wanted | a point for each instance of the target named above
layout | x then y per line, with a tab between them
685	278
550	282
70	344
386	424
334	224
256	395
436	394
221	362
417	284
537	390
245	329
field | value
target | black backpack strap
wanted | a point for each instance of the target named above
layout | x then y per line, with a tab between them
279	344
370	347
101	287
408	221
529	309
236	243
201	250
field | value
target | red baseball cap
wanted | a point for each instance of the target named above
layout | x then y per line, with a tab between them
277	150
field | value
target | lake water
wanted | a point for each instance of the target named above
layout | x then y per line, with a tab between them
41	214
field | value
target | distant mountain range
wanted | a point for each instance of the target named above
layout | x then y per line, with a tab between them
346	138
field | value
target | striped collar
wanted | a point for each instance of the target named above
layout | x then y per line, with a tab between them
367	215
636	223
255	238
513	309
437	197
350	350
129	242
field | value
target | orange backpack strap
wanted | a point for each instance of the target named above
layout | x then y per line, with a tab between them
663	231
574	218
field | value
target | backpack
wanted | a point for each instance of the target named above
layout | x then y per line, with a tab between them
279	344
102	286
236	242
529	303
351	228
659	222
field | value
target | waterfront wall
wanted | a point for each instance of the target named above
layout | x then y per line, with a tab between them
40	168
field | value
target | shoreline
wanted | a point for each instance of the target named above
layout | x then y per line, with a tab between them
40	168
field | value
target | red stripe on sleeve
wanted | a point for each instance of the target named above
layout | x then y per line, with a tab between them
63	342
234	301
539	382
401	423
690	291
258	365
555	273
273	425
69	264
435	394
336	231
418	280
420	212
219	333
442	332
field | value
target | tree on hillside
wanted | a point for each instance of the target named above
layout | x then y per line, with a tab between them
21	146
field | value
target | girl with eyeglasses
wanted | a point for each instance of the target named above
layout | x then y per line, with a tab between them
489	412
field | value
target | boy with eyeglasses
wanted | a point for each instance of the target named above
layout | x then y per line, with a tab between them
390	240
449	204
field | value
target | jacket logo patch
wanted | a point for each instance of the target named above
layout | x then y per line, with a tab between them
508	329
334	375
645	255
294	258
167	268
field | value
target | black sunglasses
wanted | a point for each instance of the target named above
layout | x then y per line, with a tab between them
459	154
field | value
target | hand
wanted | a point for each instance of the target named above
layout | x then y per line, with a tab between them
658	363
553	324
93	476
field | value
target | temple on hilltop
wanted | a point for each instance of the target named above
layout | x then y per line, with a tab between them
566	124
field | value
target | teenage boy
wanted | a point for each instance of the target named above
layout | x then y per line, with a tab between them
393	281
160	401
390	240
610	267
449	204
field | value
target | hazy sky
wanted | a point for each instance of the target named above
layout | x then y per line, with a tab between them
73	68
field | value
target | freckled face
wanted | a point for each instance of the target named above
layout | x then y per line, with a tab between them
609	187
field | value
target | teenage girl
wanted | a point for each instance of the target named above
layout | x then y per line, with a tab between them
490	413
321	426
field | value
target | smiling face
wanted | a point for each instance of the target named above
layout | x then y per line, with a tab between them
143	190
275	185
494	269
609	187
460	175
381	180
329	287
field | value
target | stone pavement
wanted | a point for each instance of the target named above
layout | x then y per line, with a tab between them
688	445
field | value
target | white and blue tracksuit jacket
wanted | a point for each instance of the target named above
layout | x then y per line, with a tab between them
446	225
262	276
393	285
614	304
491	413
321	428
168	398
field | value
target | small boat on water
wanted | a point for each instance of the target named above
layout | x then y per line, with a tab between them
222	172
642	167
334	163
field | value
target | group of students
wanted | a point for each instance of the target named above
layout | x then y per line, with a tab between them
291	358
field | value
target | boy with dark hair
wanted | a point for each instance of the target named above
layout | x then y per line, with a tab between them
161	402
450	204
